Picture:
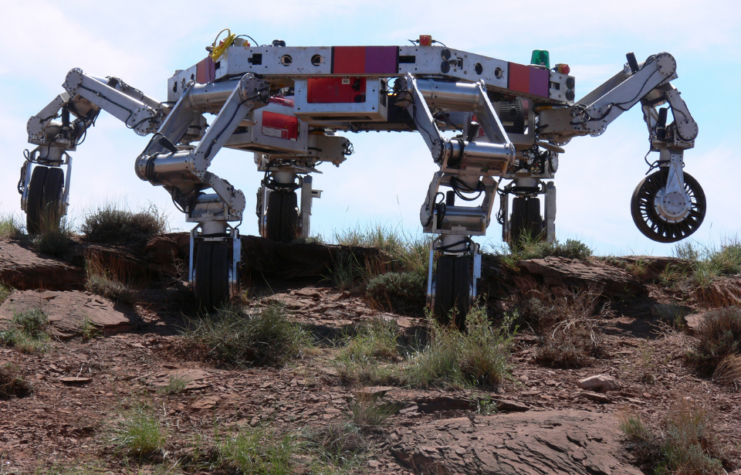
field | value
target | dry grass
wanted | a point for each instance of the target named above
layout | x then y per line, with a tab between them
10	227
705	264
338	444
728	371
568	326
719	335
368	352
28	332
55	234
531	247
108	281
12	384
114	224
369	411
399	292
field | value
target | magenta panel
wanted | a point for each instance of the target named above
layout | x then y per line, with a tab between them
539	79
381	60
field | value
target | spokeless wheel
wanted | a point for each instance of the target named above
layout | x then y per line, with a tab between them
645	207
453	289
282	217
211	280
44	197
526	220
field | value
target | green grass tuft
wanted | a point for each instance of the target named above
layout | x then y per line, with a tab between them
10	227
706	263
256	451
400	292
455	359
138	432
5	291
233	337
367	353
28	332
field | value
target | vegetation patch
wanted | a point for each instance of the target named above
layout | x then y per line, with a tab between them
567	326
368	352
399	292
112	224
104	281
28	332
233	337
5	291
339	444
175	385
55	235
138	432
728	371
255	450
10	227
704	264
684	443
456	359
719	336
12	384
531	247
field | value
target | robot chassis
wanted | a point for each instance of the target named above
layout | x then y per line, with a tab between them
286	103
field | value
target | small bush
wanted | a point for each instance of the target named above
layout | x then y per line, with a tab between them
719	336
10	227
685	444
361	359
402	253
455	359
175	385
113	225
234	338
400	292
568	327
12	383
338	444
138	432
256	451
28	332
88	330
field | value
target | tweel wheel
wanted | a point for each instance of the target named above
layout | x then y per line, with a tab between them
453	289
282	217
211	281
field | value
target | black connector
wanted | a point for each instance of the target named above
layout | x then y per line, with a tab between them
632	62
165	142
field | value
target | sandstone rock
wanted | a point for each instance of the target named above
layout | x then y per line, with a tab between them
68	310
600	383
372	392
693	321
443	403
560	271
24	269
723	292
72	381
553	442
511	406
647	268
604	399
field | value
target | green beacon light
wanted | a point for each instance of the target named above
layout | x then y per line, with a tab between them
541	57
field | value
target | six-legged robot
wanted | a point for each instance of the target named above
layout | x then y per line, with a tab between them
484	120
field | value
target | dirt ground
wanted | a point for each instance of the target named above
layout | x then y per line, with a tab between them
80	387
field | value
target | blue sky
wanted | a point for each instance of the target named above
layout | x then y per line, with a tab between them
385	181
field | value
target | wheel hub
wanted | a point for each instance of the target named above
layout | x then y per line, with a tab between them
672	207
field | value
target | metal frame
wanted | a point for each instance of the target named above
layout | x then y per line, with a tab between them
429	89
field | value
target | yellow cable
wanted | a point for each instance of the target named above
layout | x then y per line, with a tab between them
217	51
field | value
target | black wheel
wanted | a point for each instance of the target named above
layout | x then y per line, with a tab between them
282	217
526	220
651	223
211	286
453	289
44	197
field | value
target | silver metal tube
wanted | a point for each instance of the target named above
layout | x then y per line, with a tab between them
486	151
210	97
449	95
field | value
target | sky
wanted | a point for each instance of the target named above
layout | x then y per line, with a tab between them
385	181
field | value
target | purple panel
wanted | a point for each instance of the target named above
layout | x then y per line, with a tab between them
539	79
381	59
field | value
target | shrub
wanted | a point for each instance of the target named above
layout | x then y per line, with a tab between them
685	444
567	326
175	385
403	253
28	332
234	338
369	411
12	383
401	292
361	358
455	359
256	451
138	432
10	227
728	371
113	225
719	336
528	247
